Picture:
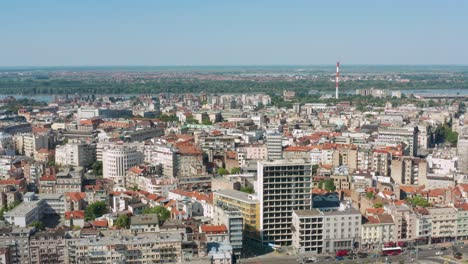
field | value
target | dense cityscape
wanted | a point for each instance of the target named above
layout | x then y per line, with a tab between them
234	132
291	177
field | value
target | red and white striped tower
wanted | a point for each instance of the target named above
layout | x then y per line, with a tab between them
337	81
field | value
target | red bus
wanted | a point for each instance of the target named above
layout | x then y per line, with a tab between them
391	251
342	253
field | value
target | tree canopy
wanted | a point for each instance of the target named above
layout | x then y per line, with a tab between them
247	189
163	213
235	170
123	221
95	210
418	200
327	184
38	225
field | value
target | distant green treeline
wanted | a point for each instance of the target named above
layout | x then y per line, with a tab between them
31	86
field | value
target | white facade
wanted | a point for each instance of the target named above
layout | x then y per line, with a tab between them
27	143
161	155
117	160
75	154
342	229
87	113
462	150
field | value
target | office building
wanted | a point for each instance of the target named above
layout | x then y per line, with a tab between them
282	186
397	135
274	142
117	160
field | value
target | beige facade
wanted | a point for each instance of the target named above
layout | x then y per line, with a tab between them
379	230
405	222
444	222
409	171
126	248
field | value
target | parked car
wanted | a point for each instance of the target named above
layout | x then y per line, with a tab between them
339	258
439	253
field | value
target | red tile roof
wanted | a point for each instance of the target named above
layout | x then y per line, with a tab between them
214	229
10	182
298	149
99	223
74	215
75	196
375	211
196	195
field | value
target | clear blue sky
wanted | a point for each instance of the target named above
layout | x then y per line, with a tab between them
236	32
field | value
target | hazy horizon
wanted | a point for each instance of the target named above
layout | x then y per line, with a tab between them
209	33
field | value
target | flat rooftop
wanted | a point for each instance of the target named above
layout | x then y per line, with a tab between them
23	208
237	195
306	213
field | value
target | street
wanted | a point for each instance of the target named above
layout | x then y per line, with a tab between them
426	254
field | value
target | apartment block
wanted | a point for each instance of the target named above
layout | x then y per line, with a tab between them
47	247
247	204
307	231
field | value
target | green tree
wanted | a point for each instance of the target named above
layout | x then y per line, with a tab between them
206	121
2	214
320	184
168	118
13	205
38	225
444	134
314	169
222	171
235	170
418	200
378	205
95	210
329	185
123	221
247	189
97	168
163	213
191	120
370	195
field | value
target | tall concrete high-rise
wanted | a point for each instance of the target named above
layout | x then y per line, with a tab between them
117	160
283	186
274	142
462	150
